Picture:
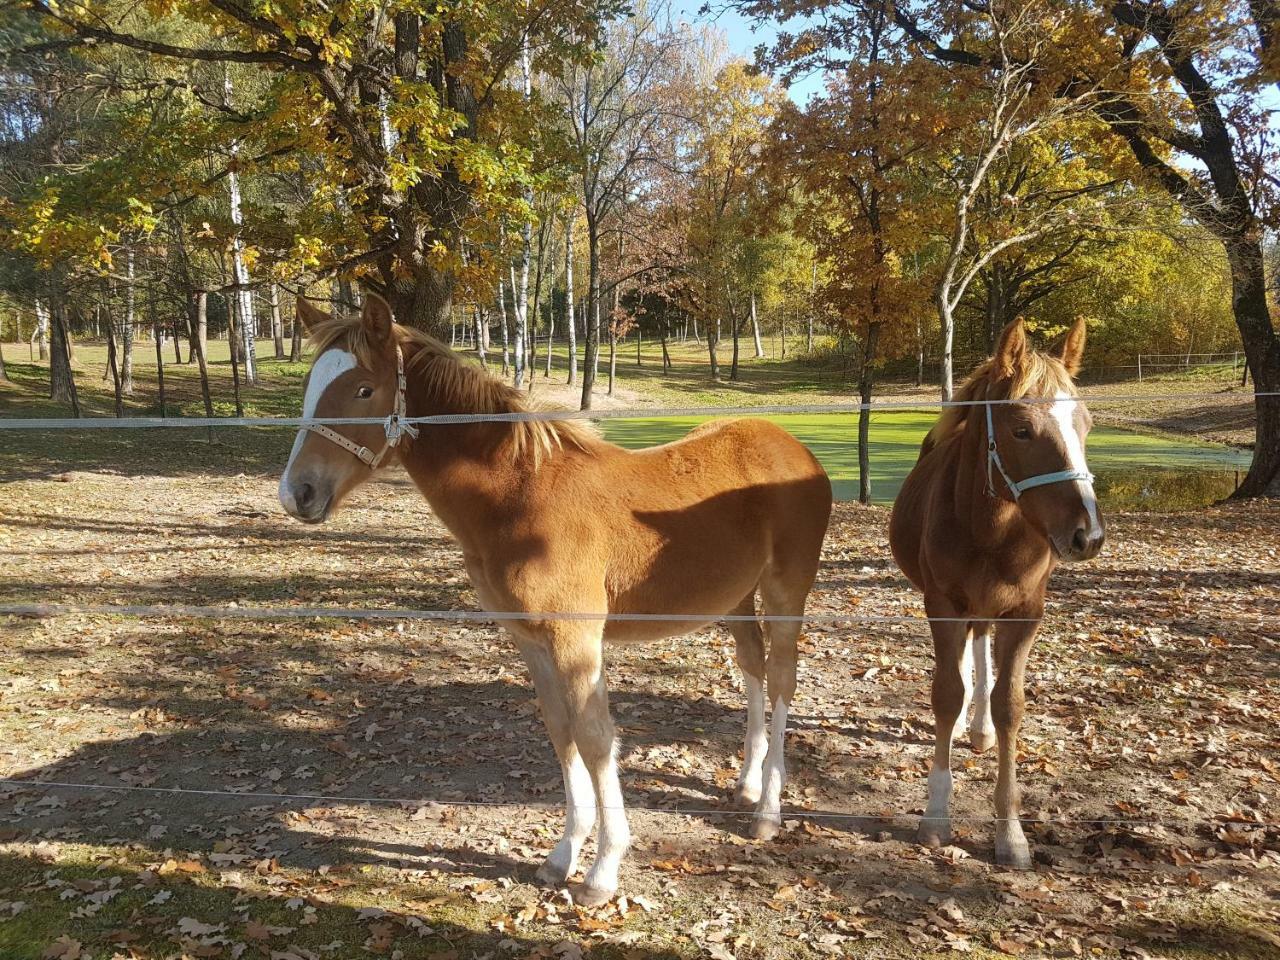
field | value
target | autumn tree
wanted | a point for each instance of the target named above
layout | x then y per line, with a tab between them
390	109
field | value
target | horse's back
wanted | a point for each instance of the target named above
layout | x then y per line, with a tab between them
734	456
695	524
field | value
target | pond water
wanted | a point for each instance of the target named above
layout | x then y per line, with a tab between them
1135	471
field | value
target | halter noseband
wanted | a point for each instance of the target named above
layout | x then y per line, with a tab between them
394	424
1017	487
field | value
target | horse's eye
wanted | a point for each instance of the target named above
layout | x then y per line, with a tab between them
1022	433
364	393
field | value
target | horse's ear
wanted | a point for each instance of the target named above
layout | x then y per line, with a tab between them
376	316
1070	349
310	315
1011	349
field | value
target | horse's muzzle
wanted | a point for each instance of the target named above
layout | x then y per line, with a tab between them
1085	543
305	501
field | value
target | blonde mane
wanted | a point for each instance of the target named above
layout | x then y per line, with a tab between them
1037	375
460	386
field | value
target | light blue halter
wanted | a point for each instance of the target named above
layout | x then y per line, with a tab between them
1018	487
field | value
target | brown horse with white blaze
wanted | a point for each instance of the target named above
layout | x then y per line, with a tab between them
554	520
1000	494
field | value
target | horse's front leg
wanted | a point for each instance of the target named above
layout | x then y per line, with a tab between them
1012	646
578	657
949	696
579	792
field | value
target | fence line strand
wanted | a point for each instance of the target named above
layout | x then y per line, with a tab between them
793	814
490	616
110	423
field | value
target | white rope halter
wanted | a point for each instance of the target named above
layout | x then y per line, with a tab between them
394	424
1017	487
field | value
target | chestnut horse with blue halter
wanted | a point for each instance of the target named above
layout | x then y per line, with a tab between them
1000	494
564	530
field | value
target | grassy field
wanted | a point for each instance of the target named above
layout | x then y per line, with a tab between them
1160	467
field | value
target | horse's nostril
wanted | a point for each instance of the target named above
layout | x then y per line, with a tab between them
1080	542
303	494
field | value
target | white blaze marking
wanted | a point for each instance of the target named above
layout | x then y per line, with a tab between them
1063	411
328	367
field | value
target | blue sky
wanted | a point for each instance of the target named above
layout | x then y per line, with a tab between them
743	37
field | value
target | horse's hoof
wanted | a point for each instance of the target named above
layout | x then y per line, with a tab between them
981	741
933	832
588	896
551	876
765	828
1014	854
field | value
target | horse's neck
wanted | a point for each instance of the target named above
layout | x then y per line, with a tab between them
463	469
989	520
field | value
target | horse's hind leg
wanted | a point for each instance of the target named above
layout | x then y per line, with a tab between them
949	695
749	648
982	731
785	600
579	794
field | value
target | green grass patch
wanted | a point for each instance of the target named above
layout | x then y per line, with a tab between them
1131	466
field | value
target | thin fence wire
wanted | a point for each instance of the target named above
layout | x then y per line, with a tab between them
136	423
790	814
164	611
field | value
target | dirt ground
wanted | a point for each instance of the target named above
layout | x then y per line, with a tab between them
1153	699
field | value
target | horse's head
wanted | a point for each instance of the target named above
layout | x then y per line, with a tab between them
1035	448
354	374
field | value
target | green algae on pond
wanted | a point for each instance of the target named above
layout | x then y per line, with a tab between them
1135	471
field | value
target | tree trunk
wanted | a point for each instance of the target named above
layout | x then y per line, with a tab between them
713	341
1262	353
40	335
198	303
948	338
62	381
113	365
277	324
736	326
520	294
755	329
233	337
502	306
158	332
480	337
295	347
242	296
568	303
866	380
126	329
591	360
4	375
551	330
613	356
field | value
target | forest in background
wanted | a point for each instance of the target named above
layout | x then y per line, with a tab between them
515	174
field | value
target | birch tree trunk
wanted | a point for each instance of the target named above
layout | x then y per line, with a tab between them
40	335
277	324
502	307
568	302
520	295
240	272
755	328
